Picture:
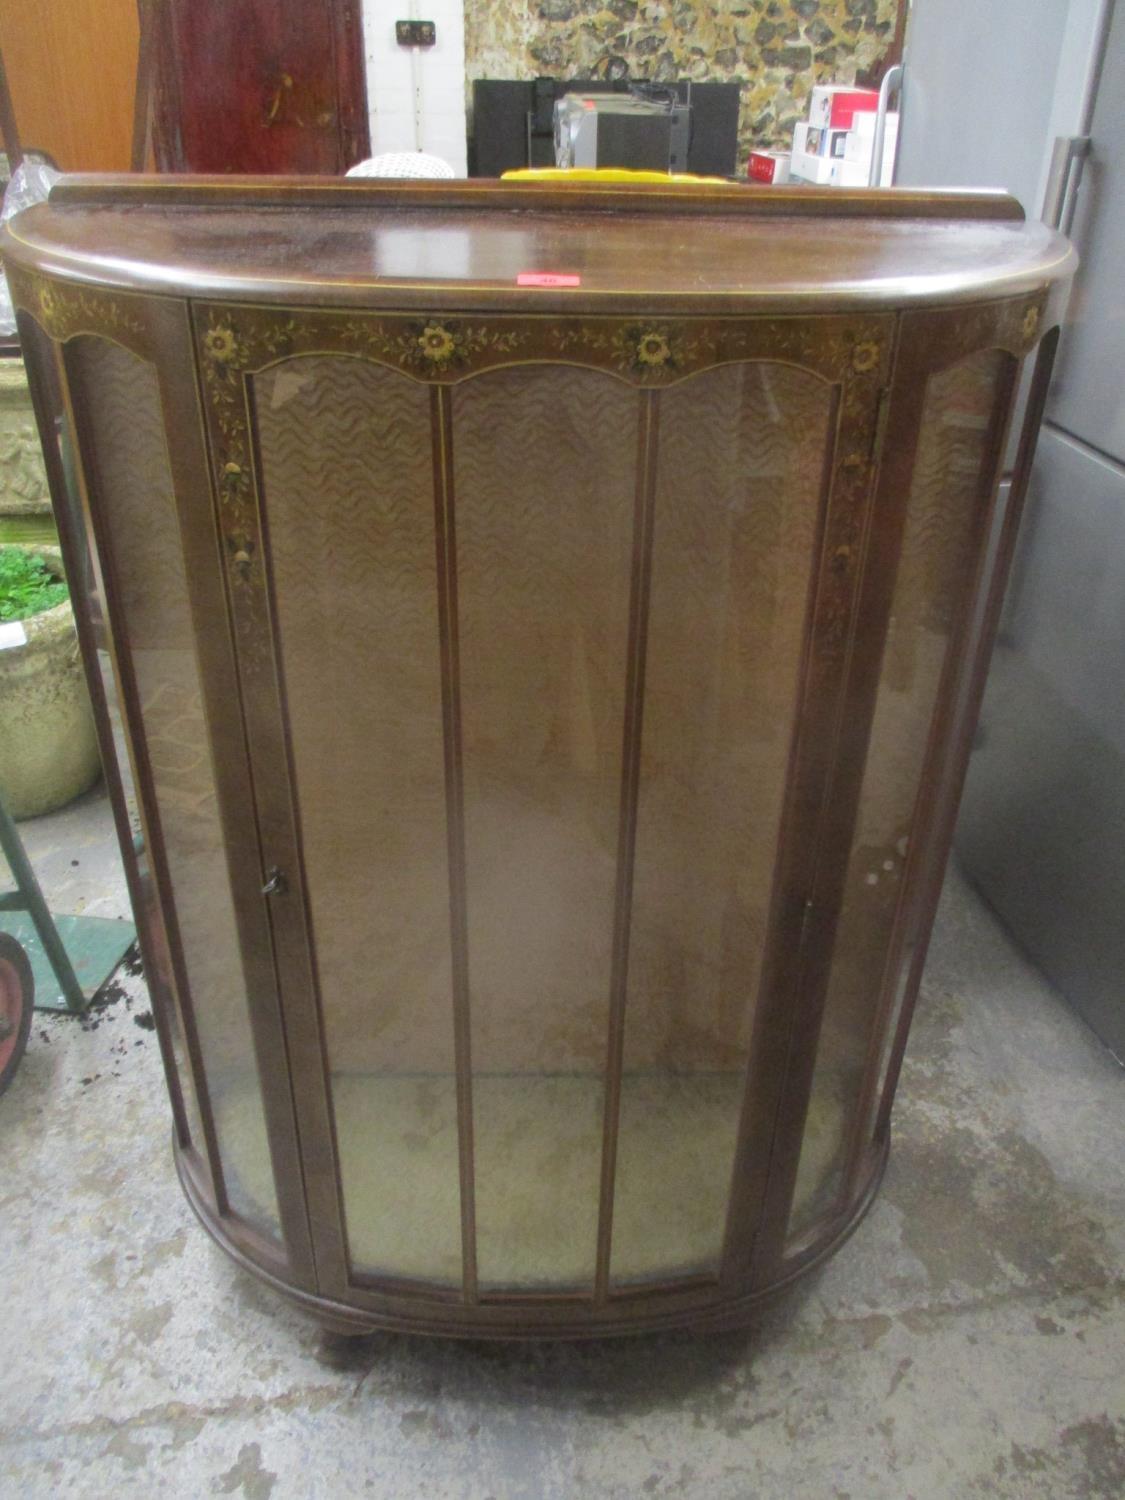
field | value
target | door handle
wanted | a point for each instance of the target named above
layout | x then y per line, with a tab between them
891	84
276	883
1062	180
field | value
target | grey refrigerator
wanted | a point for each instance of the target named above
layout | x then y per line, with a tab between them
988	92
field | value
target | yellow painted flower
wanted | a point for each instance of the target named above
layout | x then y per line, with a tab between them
1030	322
220	344
653	349
436	343
865	356
48	302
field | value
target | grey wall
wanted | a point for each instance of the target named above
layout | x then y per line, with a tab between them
978	94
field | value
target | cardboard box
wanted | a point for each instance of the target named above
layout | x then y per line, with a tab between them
853	168
834	104
848	174
861	143
815	169
768	166
816	140
861	137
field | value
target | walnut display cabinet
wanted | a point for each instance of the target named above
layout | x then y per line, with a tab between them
535	713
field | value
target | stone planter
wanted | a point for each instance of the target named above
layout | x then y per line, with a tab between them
48	748
25	503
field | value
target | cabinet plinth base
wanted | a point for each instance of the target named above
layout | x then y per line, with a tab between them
701	1307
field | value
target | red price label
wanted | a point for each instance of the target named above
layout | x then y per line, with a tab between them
547	278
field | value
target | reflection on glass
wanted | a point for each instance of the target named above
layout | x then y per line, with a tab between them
119	394
544	477
946	497
738	493
349	500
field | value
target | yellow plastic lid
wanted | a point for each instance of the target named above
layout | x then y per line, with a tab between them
602	174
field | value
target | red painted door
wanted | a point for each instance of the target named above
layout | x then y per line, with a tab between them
260	86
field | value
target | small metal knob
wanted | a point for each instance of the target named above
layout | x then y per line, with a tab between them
276	883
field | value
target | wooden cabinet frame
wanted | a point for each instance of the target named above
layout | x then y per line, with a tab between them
206	354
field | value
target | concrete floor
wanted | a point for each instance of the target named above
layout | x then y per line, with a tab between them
969	1341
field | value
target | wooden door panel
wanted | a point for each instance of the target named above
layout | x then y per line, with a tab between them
260	86
71	68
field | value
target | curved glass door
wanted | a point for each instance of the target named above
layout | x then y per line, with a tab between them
541	636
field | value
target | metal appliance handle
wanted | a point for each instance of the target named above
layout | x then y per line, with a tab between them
892	83
1059	199
1062	180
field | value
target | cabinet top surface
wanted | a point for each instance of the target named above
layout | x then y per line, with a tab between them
473	244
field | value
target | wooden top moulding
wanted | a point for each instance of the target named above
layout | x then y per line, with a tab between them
682	247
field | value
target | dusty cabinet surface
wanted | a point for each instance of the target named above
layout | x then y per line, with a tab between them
543	708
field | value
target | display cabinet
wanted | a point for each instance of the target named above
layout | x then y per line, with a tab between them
535	634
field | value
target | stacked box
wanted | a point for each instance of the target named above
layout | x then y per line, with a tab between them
834	146
834	105
861	144
768	166
819	140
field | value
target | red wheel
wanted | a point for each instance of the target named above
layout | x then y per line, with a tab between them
17	995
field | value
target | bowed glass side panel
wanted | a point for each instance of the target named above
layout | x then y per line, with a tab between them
87	594
944	511
117	401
